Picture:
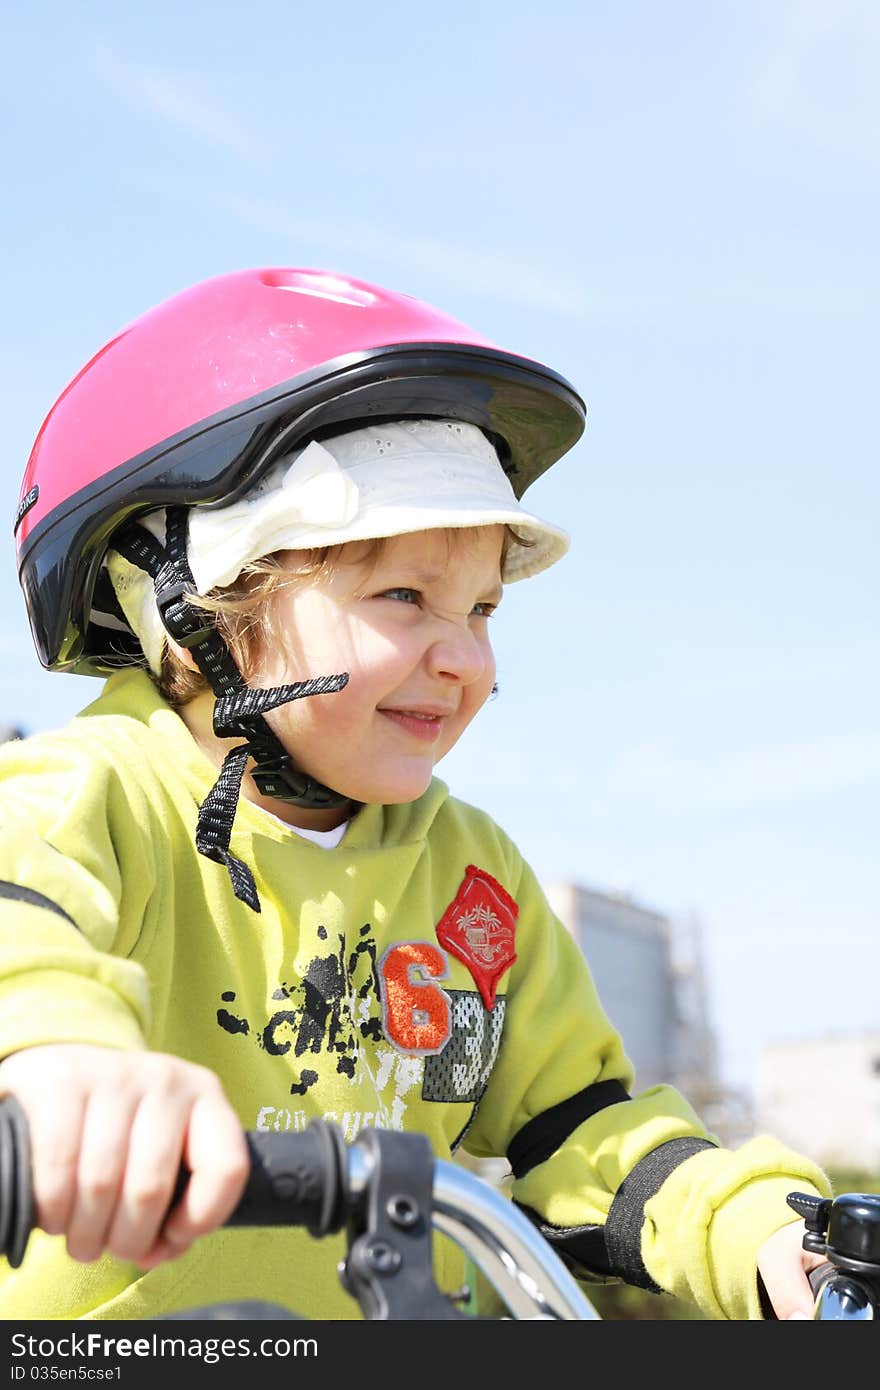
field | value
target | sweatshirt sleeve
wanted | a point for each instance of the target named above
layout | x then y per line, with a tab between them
624	1185
70	837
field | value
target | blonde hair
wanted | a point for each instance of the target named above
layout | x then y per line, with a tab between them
246	614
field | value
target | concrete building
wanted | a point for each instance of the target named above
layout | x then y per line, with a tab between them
650	978
822	1096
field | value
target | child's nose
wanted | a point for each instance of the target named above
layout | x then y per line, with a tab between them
459	655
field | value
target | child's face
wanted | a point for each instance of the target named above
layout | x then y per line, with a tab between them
412	631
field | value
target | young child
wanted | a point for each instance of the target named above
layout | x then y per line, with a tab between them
281	508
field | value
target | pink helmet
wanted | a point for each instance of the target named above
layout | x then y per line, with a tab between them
191	402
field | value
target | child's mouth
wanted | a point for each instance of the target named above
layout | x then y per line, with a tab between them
421	725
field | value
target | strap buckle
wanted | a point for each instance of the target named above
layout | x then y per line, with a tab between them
279	778
180	625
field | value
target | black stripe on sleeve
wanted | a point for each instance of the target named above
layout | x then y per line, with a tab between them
626	1215
543	1135
27	895
615	1249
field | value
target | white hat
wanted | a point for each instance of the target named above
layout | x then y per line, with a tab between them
383	480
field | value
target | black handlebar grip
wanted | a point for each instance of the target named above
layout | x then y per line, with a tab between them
16	1188
296	1180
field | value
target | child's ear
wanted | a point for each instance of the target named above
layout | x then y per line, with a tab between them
183	654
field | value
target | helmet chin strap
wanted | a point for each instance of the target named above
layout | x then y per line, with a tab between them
238	708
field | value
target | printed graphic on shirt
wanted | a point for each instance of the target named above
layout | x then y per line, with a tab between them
281	1119
479	927
462	1070
416	1015
459	1073
329	1012
389	1031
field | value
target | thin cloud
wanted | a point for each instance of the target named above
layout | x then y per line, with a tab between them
162	95
492	272
484	270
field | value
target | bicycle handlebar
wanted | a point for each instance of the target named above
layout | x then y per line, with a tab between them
387	1191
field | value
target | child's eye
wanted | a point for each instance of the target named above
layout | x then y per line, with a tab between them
405	595
414	597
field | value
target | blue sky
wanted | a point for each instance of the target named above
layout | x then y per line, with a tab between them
676	206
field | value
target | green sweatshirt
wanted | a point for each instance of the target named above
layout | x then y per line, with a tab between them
414	977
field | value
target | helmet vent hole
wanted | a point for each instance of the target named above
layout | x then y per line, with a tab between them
318	285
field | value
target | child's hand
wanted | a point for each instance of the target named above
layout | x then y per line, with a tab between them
783	1264
109	1130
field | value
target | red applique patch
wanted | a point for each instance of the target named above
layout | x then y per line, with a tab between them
479	927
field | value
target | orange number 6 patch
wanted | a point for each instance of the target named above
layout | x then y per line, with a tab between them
415	1011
